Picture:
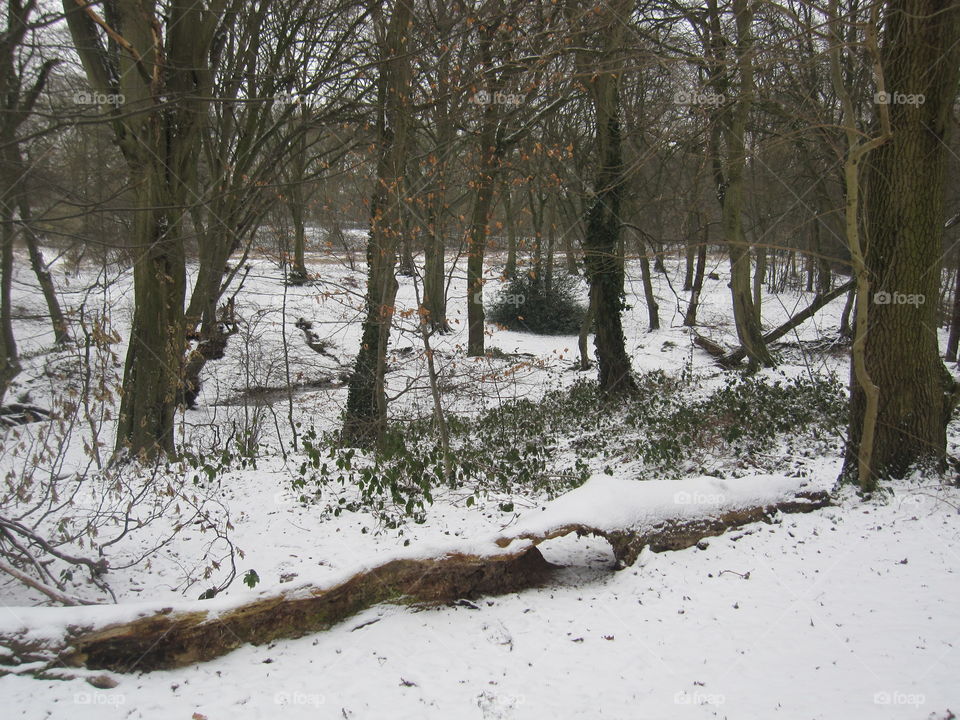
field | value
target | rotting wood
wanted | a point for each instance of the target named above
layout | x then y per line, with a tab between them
174	639
169	639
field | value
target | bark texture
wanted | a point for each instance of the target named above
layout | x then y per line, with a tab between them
920	55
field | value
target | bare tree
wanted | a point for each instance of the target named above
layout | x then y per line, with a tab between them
157	73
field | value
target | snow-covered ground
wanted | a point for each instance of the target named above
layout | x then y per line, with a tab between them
848	612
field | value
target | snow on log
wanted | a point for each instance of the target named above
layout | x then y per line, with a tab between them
175	639
631	515
663	514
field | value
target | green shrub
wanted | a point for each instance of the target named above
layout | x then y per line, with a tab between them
546	447
525	304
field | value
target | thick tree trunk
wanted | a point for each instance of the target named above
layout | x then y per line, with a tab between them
602	254
603	264
152	374
904	210
164	84
365	420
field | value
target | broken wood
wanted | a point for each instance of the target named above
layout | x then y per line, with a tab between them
170	639
713	348
678	534
735	356
175	639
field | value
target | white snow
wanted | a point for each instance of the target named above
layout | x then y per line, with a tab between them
845	613
613	503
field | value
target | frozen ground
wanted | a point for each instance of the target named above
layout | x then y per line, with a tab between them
845	613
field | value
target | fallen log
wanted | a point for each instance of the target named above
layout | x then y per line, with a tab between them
735	356
712	347
630	515
175	639
677	533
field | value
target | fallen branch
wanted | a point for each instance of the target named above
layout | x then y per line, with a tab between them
735	356
675	533
48	590
712	347
175	639
169	639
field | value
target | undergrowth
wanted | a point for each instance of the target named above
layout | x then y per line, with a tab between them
546	447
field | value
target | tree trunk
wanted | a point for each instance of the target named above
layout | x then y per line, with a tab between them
846	330
690	318
152	371
19	196
365	419
551	242
744	313
476	249
759	274
653	310
485	183
434	273
690	253
904	210
163	86
510	268
954	338
603	260
61	331
9	360
298	273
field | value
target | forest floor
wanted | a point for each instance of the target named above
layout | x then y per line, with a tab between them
847	612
